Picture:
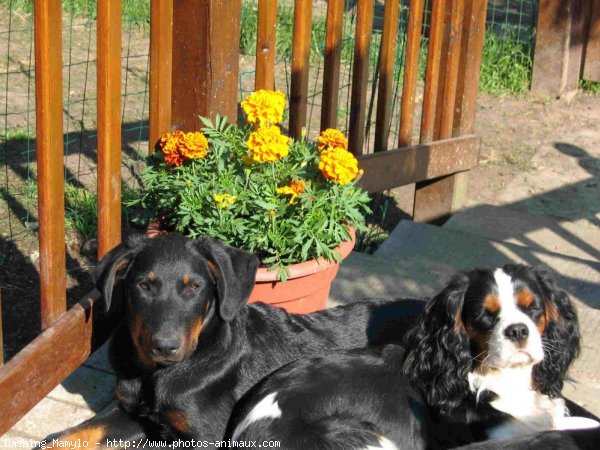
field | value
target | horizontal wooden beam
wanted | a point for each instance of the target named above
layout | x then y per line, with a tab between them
387	170
50	358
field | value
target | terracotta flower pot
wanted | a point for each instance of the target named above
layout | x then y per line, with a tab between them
306	289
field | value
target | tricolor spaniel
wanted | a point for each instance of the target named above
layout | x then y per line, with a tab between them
486	360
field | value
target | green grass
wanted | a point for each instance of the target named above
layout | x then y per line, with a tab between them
506	65
134	11
593	87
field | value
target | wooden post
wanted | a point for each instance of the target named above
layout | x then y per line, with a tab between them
436	199
559	46
591	69
1	334
109	125
360	75
333	56
161	47
300	66
266	41
49	127
205	61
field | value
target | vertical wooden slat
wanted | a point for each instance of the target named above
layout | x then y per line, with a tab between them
109	125
453	59
360	75
205	63
49	128
591	68
470	64
441	86
265	44
333	56
1	334
386	74
432	72
300	66
161	47
411	68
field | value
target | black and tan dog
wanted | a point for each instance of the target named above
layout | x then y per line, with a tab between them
189	346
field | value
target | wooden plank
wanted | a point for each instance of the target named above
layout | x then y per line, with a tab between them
300	66
411	68
389	39
49	129
550	64
1	334
393	168
31	374
441	86
591	68
360	75
452	65
432	72
470	64
266	45
333	56
205	64
109	125
161	47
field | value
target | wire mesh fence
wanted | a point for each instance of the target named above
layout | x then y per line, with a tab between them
506	68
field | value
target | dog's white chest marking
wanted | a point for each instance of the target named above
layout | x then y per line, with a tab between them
267	408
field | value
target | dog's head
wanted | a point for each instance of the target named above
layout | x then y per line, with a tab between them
172	287
488	320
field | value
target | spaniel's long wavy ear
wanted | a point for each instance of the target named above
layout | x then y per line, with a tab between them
560	339
438	356
234	271
114	266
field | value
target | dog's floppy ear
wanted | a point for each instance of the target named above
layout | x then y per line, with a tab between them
234	271
561	334
113	267
438	356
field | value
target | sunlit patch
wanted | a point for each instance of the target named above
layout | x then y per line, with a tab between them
186	279
91	433
151	277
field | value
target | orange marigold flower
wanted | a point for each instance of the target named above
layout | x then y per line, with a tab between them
169	144
264	107
194	145
338	165
267	144
294	189
332	138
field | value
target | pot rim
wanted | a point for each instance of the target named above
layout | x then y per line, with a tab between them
309	267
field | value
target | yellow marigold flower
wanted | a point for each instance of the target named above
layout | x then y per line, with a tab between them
294	189
264	107
169	144
338	165
267	144
332	138
194	145
224	200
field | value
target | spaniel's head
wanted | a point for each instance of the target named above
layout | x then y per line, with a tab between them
490	320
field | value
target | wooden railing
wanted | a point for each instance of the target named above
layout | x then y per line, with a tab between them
196	73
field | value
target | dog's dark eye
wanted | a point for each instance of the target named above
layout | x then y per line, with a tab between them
192	287
144	286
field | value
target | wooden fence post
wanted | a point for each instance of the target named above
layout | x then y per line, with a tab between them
50	158
161	47
266	41
205	61
559	46
109	125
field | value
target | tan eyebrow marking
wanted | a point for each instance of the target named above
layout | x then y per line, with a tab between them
491	303
186	279
151	277
524	298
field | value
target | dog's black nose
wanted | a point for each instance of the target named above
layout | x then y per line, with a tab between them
165	345
516	332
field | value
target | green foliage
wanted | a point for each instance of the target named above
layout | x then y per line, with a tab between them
506	65
279	231
593	87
